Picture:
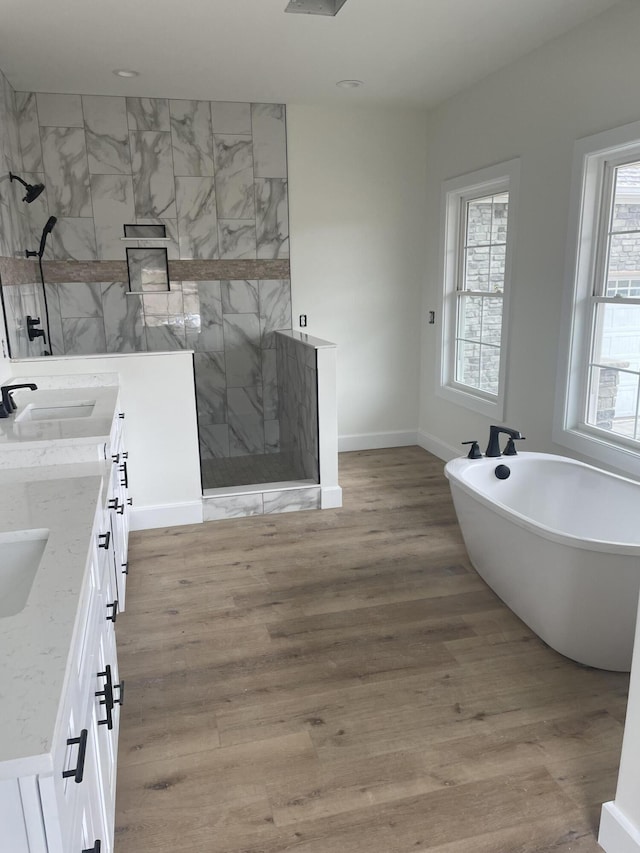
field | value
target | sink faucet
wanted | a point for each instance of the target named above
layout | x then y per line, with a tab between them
493	448
7	406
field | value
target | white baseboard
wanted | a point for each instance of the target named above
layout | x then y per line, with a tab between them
439	448
376	440
330	497
617	833
166	515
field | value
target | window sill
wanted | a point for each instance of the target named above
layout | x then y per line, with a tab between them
489	408
625	460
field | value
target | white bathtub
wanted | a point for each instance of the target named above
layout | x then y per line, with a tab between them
559	542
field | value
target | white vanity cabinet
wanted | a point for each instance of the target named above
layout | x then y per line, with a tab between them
119	502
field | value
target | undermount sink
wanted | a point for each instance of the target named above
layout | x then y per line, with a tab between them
63	411
20	555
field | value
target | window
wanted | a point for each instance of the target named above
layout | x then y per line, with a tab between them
598	412
477	247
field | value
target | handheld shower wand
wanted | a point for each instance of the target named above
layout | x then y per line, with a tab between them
48	228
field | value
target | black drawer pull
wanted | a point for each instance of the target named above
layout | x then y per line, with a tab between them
125	475
107	539
116	457
97	847
114	503
120	509
120	687
114	613
125	454
130	501
121	415
107	693
78	772
125	568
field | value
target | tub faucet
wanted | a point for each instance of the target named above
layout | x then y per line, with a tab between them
493	448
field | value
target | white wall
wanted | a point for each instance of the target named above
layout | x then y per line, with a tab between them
357	209
157	395
578	85
535	109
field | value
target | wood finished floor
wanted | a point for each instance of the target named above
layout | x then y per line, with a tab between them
343	682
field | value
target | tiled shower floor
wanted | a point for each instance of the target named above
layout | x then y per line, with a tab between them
248	470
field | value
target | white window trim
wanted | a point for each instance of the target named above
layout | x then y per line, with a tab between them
569	430
455	191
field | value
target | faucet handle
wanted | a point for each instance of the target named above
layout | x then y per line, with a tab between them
510	449
474	452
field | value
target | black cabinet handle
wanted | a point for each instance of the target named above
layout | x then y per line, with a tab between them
107	693
120	509
107	539
125	568
125	475
113	503
78	772
97	847
130	501
120	687
121	415
116	457
125	454
114	613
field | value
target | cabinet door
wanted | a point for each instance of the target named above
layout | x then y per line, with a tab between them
106	722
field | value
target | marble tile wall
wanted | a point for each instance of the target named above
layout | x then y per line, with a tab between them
297	378
26	299
235	364
214	173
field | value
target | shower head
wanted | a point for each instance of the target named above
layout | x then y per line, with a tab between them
33	190
48	228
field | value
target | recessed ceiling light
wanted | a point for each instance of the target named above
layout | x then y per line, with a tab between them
349	84
126	72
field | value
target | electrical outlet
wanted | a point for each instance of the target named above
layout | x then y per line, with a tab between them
302	321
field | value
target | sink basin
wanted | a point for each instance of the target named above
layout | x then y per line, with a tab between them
20	555
63	411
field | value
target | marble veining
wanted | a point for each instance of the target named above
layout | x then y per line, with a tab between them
80	299
74	238
107	133
29	131
242	350
275	310
214	441
123	318
211	391
192	138
234	177
165	334
237	239
197	217
239	297
153	179
235	506
148	114
292	500
66	169
113	206
83	335
272	218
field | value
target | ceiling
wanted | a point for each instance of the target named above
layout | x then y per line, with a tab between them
406	51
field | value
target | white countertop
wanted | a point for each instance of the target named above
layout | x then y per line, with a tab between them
35	644
25	443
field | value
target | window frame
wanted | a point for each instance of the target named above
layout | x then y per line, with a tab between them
456	193
595	158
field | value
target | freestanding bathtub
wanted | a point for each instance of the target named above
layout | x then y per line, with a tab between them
559	542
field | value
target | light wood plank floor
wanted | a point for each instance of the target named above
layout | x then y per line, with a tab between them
343	682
